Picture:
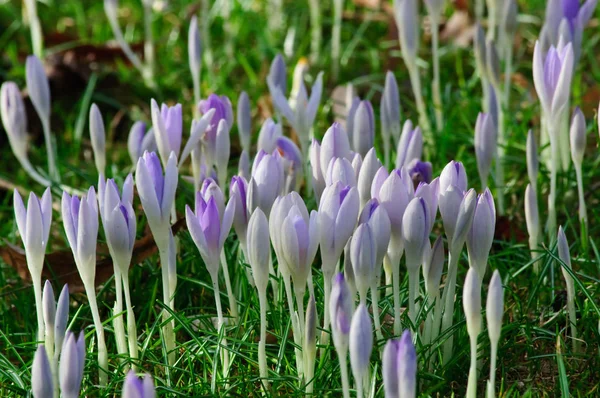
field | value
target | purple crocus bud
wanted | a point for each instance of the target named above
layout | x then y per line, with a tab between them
376	216
406	15
486	142
472	302
38	87
259	249
293	162
577	136
299	243
415	232
118	218
552	76
495	307
481	236
390	108
380	176
244	165
237	192
335	144
394	195
33	224
341	306
338	212
266	182
80	219
564	254
369	168
363	252
268	135
419	171
210	189
363	128
453	174
430	193
156	191
49	311
244	120
140	141
407	366
60	320
356	164
277	77
318	180
492	63
389	363
280	211
167	124
42	383
361	343
464	220
14	119
410	145
222	111
134	387
222	151
340	169
449	203
349	125
532	158
195	51
209	229
98	138
433	267
72	362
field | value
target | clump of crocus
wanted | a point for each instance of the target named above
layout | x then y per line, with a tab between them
157	194
33	224
361	346
258	255
472	307
80	219
72	363
578	142
565	257
134	387
494	313
399	363
118	219
341	306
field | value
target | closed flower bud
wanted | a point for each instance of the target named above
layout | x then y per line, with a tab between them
98	138
42	384
72	362
492	63
259	248
564	253
486	142
266	182
340	169
61	319
134	387
407	366
194	48
167	123
222	148
472	302
363	133
453	174
406	14
244	165
277	79
299	243
14	119
434	266
389	363
38	87
341	306
464	220
394	195
361	341
481	236
268	135
49	306
410	146
577	135
430	193
140	141
335	144
368	169
33	224
552	76
244	120
495	306
310	334
363	252
449	203
415	232
532	159
318	179
376	216
532	216
390	107
237	192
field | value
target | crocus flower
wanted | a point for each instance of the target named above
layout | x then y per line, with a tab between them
390	113
266	182
492	63
363	128
565	258
134	387
410	145
317	176
335	144
406	14
481	236
72	362
237	192
209	229
61	318
140	141
38	87
363	253
167	124
277	77
223	110
532	159
299	245
244	165
389	364
532	219
98	138
472	307
486	142
341	306
340	170
244	120
453	174
369	168
361	345
195	55
407	366
222	150
430	193
302	115
376	215
419	171
42	384
268	135
157	191
552	76
578	144
293	163
33	224
49	312
494	312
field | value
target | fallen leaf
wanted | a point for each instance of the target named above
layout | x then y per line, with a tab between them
60	266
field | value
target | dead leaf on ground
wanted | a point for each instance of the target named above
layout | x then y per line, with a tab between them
60	266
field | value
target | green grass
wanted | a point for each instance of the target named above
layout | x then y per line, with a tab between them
529	363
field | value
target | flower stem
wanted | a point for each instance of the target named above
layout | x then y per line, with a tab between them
472	383
262	356
582	208
232	301
90	291
344	372
448	299
376	320
131	325
118	325
37	291
491	387
52	168
220	321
